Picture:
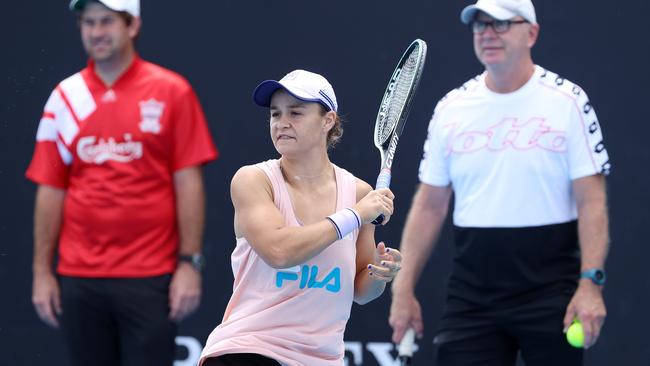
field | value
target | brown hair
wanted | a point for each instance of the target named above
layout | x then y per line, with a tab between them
336	133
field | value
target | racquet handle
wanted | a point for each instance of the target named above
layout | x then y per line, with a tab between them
379	219
383	181
405	347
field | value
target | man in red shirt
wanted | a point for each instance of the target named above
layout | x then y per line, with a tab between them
118	159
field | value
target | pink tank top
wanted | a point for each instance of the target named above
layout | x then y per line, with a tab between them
295	315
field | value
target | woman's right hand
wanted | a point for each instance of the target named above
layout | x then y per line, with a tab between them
376	202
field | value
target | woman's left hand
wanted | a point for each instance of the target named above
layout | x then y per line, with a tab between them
386	263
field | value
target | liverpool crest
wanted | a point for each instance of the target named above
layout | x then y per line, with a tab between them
150	111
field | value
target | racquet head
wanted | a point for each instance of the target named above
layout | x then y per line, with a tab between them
395	104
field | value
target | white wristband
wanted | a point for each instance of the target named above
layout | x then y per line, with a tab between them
345	221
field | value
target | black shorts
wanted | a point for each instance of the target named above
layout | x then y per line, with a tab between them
240	359
117	322
494	337
507	294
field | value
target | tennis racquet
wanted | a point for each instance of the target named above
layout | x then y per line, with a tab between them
405	347
394	109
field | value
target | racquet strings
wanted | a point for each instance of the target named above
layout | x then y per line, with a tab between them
403	85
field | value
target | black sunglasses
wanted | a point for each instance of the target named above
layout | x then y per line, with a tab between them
499	26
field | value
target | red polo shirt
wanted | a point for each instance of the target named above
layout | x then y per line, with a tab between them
114	150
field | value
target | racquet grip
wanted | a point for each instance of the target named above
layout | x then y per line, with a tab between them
383	181
405	347
378	220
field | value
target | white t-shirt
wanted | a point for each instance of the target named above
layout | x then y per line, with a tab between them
510	158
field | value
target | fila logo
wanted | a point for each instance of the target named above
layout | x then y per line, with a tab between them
308	277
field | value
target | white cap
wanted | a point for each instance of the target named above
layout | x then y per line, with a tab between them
130	6
501	10
303	85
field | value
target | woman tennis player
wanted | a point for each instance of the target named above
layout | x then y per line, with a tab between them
305	246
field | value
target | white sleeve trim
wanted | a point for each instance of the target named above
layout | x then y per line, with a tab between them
78	95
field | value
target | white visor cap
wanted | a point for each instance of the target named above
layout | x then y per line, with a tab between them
501	10
130	6
301	84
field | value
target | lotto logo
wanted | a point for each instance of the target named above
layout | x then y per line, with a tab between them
509	133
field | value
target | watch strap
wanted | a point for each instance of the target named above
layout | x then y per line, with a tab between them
196	260
596	275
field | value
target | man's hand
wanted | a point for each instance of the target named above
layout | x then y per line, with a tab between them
184	291
587	305
46	298
405	313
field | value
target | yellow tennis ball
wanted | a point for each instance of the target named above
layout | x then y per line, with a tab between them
576	335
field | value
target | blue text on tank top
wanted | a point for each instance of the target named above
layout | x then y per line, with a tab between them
308	278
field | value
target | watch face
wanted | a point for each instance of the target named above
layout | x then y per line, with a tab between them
196	260
595	275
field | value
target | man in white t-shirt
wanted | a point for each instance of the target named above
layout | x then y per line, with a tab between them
522	151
